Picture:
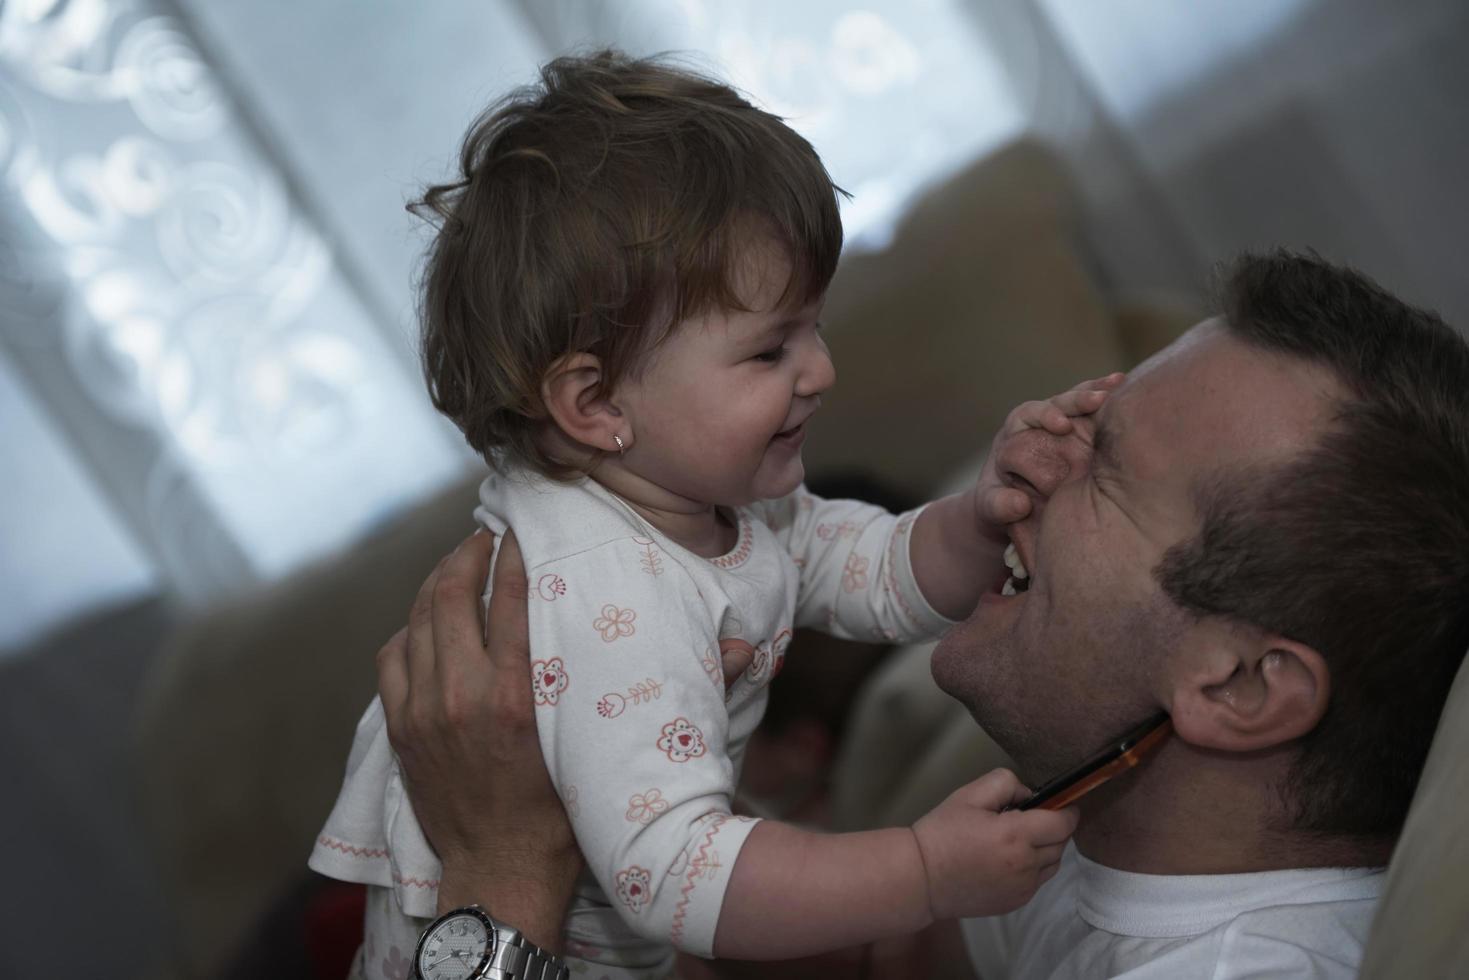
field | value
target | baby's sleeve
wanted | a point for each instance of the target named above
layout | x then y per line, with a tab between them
630	709
856	569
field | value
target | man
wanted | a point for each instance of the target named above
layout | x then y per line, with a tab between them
1266	535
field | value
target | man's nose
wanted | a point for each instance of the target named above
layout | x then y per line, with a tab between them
1038	463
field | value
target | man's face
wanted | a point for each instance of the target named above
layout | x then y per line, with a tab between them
1089	651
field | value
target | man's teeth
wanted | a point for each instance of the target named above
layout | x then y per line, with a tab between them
1016	566
1009	587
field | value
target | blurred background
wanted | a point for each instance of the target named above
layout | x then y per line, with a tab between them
209	398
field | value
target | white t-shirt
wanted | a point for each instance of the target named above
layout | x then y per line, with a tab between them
1093	921
642	732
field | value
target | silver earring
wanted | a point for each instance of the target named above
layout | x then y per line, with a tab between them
620	447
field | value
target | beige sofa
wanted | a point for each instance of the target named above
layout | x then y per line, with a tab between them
983	300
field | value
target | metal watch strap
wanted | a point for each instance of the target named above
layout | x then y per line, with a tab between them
517	958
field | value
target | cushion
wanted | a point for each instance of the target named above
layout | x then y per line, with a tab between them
1420	929
243	738
982	301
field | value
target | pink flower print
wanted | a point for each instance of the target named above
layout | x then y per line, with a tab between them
650	561
769	658
549	587
634	887
643	807
712	668
571	799
581	950
614	622
835	532
549	678
681	740
760	664
854	573
395	965
614	703
705	866
778	647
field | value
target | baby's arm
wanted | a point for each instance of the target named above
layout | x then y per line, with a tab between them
868	575
796	893
633	725
959	541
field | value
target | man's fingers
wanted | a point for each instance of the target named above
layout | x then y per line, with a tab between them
507	634
456	606
392	675
420	636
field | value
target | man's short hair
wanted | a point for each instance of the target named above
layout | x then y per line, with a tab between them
594	210
1359	547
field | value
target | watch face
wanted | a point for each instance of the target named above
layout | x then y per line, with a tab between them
456	948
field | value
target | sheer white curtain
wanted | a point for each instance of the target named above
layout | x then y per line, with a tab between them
207	273
173	312
1334	124
893	93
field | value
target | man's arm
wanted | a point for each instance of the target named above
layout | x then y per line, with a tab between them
461	718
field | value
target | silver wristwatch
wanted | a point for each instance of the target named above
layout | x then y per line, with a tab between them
466	944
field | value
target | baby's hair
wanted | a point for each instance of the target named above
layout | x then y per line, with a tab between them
592	212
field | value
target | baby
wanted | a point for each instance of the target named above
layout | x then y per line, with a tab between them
621	312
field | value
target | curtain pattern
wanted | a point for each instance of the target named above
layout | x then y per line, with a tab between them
179	315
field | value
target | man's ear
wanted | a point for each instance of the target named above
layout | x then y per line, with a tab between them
574	397
1248	691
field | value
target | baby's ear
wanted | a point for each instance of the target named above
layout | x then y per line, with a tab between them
573	393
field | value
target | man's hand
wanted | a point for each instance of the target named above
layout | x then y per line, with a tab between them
461	717
980	861
1031	452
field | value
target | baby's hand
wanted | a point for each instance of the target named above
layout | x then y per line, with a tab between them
980	861
998	505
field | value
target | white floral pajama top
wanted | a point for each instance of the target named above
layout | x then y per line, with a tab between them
632	639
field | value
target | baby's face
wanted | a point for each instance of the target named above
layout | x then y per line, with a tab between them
720	411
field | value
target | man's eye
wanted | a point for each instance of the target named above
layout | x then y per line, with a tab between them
773	355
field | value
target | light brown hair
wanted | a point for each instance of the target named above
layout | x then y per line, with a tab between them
592	212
